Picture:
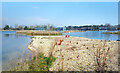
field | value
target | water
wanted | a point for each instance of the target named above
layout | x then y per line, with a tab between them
14	47
95	35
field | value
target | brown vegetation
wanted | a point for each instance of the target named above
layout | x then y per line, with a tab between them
101	57
112	32
32	33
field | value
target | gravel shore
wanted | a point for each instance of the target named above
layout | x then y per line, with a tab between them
77	53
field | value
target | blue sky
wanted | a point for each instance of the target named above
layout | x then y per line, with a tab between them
59	13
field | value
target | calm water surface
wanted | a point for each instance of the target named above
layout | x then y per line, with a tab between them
95	35
14	46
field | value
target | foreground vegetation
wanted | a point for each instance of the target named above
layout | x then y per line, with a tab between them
38	63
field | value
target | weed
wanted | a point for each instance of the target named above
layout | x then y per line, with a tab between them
42	64
101	58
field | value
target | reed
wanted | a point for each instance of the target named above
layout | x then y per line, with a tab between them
112	32
32	33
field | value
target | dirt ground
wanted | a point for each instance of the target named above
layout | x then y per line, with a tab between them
77	53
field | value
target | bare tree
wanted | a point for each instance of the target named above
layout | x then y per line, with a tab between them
16	26
20	27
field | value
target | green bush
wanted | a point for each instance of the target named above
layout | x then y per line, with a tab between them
6	27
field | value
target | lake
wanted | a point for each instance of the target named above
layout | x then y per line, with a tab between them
95	35
14	46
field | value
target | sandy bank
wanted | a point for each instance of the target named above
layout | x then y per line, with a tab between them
77	53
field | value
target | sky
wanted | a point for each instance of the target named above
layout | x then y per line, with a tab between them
60	0
59	13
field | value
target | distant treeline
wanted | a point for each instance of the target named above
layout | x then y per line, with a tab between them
7	27
36	27
92	27
51	27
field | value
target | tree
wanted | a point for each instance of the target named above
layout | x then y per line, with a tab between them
118	26
16	26
45	26
6	27
20	27
101	25
32	28
108	26
10	27
36	26
51	27
26	28
48	27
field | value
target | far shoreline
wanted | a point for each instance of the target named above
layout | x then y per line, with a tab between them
8	30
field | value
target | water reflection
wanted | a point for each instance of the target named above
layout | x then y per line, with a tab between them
14	47
7	35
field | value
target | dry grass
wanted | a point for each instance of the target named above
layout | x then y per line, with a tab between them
101	57
112	32
31	33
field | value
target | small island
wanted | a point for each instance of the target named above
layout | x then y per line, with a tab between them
33	32
118	32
